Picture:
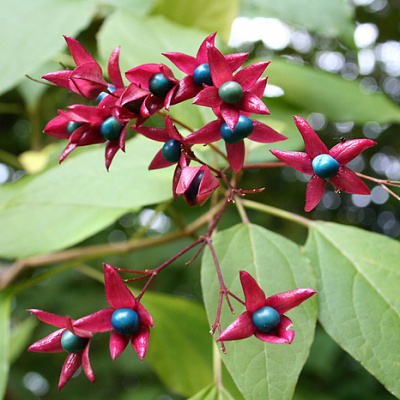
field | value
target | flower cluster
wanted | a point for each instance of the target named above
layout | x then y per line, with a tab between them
211	80
128	320
234	93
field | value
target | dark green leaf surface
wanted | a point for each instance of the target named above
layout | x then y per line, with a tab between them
319	91
332	18
208	15
261	370
145	39
5	309
180	344
34	32
72	201
359	303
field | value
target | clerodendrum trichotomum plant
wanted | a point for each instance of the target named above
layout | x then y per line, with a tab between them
273	286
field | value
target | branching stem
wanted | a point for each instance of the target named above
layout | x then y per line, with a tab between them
278	212
9	274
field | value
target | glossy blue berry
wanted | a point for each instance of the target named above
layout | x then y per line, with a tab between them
242	130
125	321
159	85
230	92
171	150
102	95
72	343
111	129
202	75
193	188
72	126
325	166
266	319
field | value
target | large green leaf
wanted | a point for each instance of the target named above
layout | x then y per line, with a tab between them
180	349
139	7
32	32
359	303
332	18
259	369
208	15
143	40
318	91
70	202
6	297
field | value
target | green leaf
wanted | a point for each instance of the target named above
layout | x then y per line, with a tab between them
259	369
180	349
319	91
212	392
6	297
333	18
21	334
32	91
208	15
72	201
34	32
139	7
145	39
359	302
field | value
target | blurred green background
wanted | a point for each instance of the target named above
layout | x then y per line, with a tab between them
335	63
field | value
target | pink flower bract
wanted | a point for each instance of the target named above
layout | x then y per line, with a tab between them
243	327
86	79
344	179
119	296
247	79
187	87
52	344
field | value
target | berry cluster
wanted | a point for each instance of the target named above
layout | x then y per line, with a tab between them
210	81
128	320
234	93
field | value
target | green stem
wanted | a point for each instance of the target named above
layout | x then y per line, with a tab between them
90	272
9	108
278	212
45	275
36	136
241	210
217	367
10	159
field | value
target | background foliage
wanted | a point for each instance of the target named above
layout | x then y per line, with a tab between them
47	208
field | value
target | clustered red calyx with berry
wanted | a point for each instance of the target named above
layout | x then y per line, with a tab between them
234	93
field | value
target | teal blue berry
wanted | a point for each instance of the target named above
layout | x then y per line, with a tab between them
159	85
125	321
193	189
325	166
242	130
111	129
72	126
171	150
72	343
266	319
230	92
102	95
202	75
